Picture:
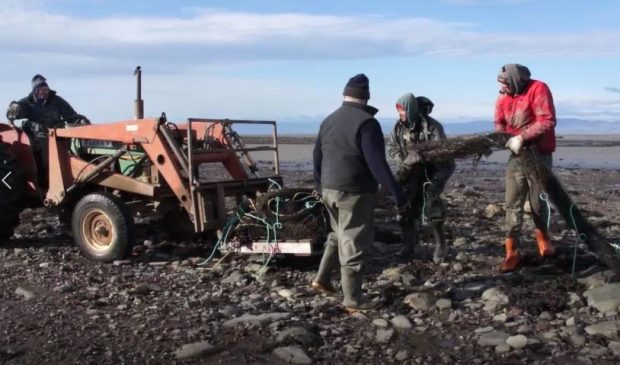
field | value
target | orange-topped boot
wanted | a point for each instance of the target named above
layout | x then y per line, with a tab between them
512	256
545	248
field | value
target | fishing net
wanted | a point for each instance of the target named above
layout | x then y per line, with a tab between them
276	216
482	145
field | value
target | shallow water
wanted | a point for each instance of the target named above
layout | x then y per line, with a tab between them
299	156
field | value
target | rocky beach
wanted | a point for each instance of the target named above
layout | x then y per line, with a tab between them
165	305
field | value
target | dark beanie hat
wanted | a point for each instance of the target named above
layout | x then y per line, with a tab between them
357	87
38	81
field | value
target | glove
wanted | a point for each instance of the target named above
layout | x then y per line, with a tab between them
83	121
13	111
515	144
412	158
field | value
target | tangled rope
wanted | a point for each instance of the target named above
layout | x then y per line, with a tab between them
280	214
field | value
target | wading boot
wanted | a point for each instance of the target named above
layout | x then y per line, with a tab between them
329	263
545	248
512	256
354	300
441	247
409	238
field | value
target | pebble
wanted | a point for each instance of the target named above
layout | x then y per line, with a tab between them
401	322
381	323
517	342
444	303
402	355
195	349
384	335
292	354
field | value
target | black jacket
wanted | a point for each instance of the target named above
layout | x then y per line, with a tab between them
349	154
50	113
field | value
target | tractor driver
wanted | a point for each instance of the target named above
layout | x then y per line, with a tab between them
43	109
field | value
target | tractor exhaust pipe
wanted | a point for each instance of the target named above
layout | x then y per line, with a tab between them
138	104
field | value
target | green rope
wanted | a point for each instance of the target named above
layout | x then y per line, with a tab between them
581	237
545	198
424	197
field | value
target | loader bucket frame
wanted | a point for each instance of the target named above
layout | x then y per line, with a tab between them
175	153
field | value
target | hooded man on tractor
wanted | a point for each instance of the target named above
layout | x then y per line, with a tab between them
43	109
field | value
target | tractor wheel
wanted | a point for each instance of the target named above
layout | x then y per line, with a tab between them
103	227
12	186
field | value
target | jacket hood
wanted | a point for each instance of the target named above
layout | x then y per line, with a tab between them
409	103
516	76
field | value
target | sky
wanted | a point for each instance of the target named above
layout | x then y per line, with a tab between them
289	60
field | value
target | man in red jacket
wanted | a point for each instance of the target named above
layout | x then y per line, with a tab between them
525	110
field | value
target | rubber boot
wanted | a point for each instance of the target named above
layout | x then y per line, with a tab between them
441	247
409	238
545	248
512	256
329	262
354	301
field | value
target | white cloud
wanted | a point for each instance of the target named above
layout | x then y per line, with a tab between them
212	35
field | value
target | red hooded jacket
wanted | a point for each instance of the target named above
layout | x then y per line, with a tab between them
530	114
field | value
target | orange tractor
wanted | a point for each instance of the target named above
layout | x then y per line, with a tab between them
100	175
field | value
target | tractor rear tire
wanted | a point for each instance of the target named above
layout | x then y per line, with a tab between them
103	227
11	196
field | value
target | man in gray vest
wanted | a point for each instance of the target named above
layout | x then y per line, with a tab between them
349	162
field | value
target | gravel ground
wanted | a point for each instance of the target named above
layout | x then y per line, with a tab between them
161	306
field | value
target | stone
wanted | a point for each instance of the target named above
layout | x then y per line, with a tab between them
614	347
460	241
493	338
546	316
384	335
486	329
229	311
574	301
121	262
598	279
235	277
444	303
502	348
285	293
494	295
502	317
517	342
292	354
401	322
28	291
402	355
461	257
195	349
360	316
300	335
604	298
419	301
570	322
407	279
491	210
381	323
260	319
608	329
577	340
